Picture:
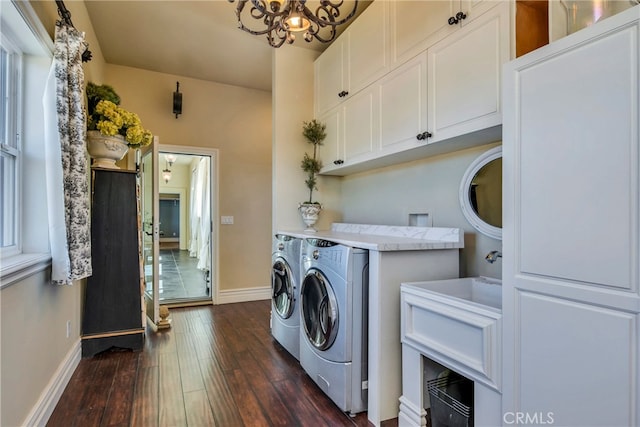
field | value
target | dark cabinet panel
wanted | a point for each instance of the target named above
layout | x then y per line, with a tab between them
112	310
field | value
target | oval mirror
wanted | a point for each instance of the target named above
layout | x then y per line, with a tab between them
481	193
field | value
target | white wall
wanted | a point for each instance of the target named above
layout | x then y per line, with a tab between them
237	122
381	196
388	195
293	105
34	348
34	315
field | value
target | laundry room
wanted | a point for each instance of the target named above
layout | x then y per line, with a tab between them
360	213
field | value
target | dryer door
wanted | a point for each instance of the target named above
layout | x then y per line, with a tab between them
319	310
282	288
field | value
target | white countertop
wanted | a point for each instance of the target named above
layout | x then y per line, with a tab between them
387	237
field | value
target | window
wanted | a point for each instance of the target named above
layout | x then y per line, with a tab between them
25	60
10	153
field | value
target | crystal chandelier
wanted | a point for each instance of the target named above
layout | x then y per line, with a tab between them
284	18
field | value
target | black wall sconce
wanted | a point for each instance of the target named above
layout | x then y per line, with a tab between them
177	101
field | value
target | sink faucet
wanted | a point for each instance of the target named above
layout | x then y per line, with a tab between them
493	256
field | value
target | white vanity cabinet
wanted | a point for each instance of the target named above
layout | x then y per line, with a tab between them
571	233
354	60
455	324
416	25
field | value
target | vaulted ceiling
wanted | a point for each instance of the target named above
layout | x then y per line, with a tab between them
197	39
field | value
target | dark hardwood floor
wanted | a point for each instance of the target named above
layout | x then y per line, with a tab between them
216	366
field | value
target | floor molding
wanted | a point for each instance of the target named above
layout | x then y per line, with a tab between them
244	295
40	413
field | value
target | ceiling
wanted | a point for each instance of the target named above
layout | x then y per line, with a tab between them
197	39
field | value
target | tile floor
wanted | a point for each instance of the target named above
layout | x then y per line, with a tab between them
180	278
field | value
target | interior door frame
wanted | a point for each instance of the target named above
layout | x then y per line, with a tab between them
213	154
152	150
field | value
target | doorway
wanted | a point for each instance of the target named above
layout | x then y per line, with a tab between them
187	242
186	235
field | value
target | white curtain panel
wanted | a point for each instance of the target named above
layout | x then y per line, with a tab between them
66	160
204	252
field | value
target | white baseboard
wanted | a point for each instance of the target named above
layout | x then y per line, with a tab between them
40	413
243	295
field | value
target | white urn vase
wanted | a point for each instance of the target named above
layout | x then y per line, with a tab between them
310	212
105	150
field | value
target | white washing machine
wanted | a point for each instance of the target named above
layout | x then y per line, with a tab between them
285	292
333	313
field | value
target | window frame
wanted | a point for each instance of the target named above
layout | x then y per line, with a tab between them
11	141
20	23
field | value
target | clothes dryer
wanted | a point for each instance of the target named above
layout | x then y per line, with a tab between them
285	292
334	327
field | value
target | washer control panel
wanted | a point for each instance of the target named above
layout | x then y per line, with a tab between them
321	243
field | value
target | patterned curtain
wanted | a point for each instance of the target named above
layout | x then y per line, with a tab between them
67	178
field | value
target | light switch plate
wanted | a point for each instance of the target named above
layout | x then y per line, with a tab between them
226	220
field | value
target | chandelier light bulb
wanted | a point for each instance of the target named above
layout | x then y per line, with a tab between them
171	158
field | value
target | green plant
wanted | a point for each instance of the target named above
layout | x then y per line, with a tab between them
314	132
97	93
105	115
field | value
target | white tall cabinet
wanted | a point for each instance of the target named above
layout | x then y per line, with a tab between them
571	266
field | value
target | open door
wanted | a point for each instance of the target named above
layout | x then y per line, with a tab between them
149	185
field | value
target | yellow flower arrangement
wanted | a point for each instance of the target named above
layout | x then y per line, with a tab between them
111	120
106	115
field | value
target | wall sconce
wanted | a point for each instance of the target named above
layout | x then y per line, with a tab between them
166	174
177	101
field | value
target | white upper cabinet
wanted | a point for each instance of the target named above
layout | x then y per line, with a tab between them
367	46
448	93
352	131
403	104
330	77
464	76
331	152
357	58
416	25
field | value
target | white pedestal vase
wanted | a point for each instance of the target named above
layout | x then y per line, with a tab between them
105	150
310	212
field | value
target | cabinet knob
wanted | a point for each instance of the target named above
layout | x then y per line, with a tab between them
424	135
343	94
338	162
453	20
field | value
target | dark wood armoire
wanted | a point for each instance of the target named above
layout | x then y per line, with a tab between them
112	307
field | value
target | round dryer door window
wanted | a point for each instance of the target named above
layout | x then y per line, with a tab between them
319	310
282	288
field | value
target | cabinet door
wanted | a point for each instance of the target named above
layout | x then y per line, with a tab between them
367	47
113	294
361	125
329	78
415	25
331	149
571	264
464	76
403	104
473	9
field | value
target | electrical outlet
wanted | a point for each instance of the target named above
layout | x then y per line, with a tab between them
227	220
68	328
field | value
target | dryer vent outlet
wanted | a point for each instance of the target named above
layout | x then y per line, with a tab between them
420	219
